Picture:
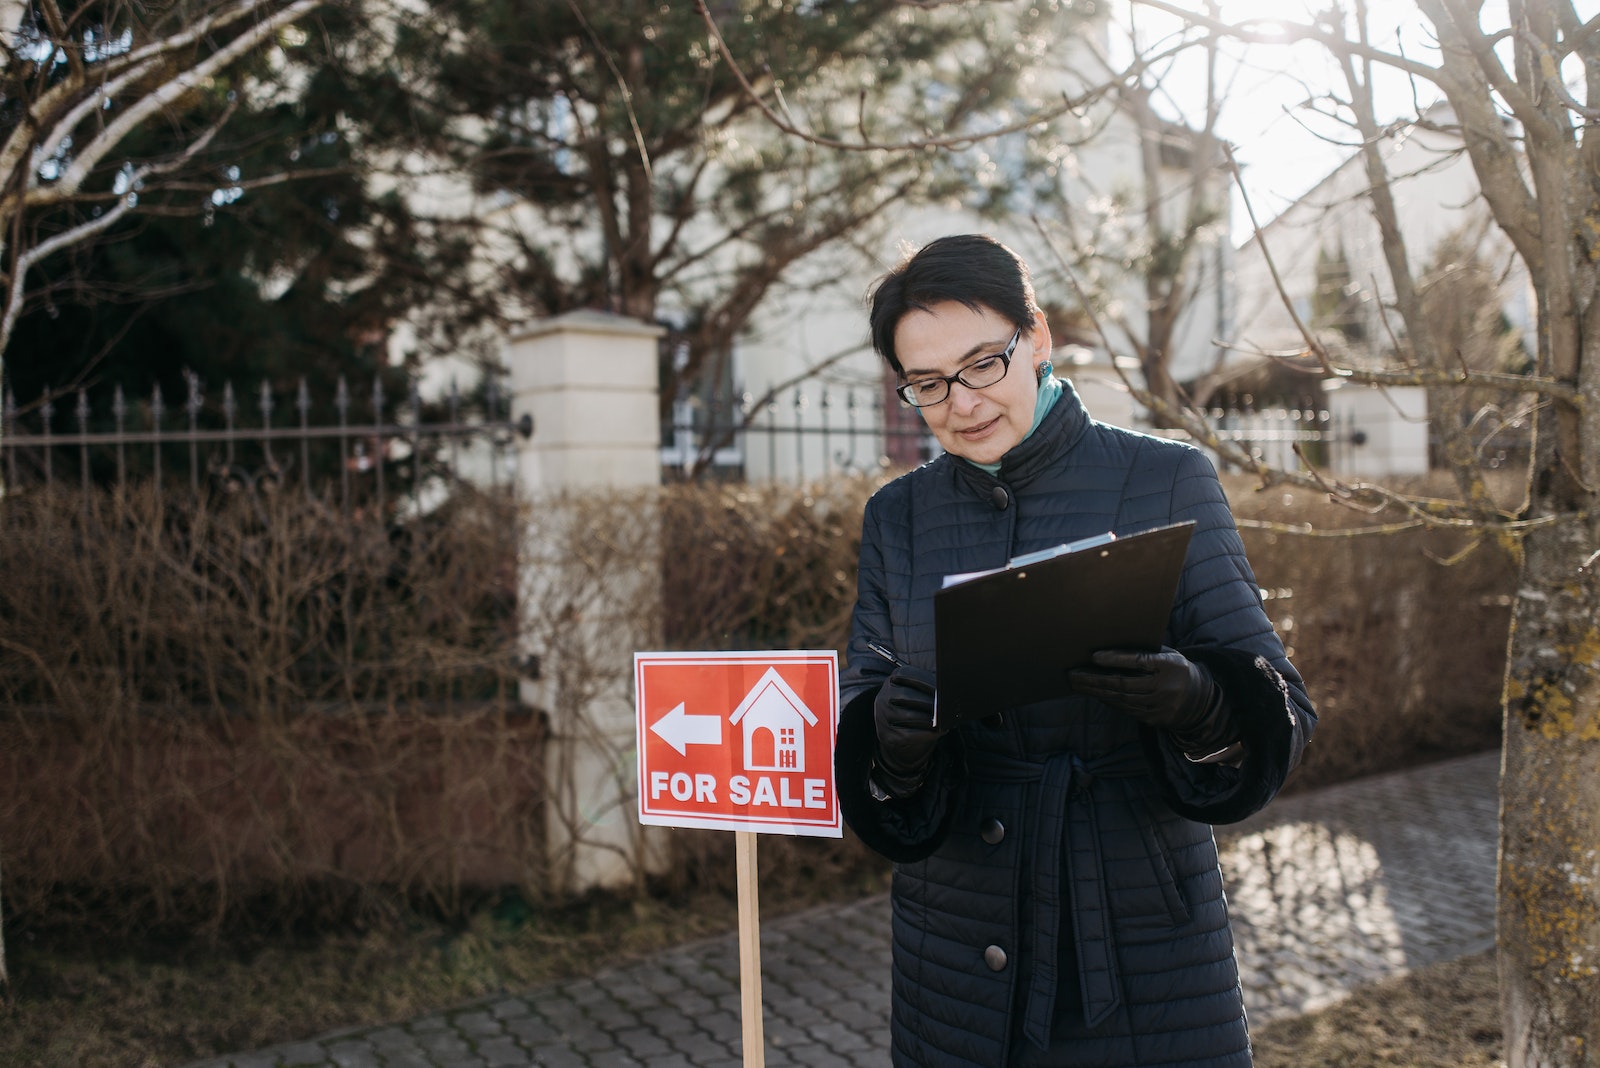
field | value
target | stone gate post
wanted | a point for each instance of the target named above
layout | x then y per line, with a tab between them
589	379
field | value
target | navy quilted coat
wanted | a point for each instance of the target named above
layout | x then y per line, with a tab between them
1056	896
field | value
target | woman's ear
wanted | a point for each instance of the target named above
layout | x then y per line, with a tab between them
1039	334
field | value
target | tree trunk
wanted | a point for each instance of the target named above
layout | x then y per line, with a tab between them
1156	366
1549	878
1549	892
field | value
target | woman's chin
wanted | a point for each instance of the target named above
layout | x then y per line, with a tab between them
990	450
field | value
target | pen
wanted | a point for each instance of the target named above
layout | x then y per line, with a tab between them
886	653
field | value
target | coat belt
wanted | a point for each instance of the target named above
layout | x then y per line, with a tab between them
1074	845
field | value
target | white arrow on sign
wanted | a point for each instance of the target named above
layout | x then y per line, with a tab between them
681	730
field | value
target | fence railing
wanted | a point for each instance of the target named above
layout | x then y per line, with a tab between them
1280	437
367	452
804	432
826	429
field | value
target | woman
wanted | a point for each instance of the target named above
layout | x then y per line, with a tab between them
1056	896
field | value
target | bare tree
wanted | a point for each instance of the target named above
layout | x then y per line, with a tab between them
1142	244
79	84
1524	96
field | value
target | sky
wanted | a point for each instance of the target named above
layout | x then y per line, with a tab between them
1283	148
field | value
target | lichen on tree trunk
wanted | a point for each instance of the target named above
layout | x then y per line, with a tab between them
1549	893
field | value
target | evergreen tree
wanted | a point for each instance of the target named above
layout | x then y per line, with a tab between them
471	164
637	171
270	255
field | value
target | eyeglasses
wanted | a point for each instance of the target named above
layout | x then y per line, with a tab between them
979	374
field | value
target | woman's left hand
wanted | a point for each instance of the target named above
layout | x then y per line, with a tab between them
1164	689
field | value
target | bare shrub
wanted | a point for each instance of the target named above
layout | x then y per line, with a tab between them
1401	637
253	709
591	566
762	567
214	703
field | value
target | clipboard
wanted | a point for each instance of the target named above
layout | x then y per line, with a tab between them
1007	637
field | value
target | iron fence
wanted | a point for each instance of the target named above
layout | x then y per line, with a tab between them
1288	438
373	449
221	445
802	433
852	429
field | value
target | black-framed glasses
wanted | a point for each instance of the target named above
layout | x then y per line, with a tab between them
979	374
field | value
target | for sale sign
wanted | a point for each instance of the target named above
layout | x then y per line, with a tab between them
738	741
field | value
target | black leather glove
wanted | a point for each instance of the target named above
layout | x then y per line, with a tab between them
1164	689
907	738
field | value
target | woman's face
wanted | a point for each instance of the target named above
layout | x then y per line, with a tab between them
981	425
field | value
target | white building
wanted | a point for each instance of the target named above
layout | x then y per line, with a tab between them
1436	197
773	720
819	320
1327	253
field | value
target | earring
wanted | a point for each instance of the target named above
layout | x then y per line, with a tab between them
1044	370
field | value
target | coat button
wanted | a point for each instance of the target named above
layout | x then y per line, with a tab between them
993	831
1000	497
995	958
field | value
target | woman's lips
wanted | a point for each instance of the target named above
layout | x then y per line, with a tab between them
980	430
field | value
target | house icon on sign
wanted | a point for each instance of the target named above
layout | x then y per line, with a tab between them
774	721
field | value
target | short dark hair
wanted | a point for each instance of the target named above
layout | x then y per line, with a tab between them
971	269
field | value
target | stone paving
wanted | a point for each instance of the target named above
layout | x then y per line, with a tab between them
1329	890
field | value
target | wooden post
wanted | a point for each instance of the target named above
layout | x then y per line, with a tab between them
5	985
755	1051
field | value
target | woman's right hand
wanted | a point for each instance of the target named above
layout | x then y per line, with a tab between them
907	738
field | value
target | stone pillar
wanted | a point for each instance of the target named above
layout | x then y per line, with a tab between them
590	577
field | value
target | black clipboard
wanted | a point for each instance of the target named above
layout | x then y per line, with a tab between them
1007	637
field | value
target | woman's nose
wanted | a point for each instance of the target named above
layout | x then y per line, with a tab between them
963	398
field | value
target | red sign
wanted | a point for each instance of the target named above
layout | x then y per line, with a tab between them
738	741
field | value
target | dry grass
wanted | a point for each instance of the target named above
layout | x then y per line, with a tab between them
155	1004
170	1007
1446	1016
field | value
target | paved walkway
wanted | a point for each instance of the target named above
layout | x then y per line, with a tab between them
1329	890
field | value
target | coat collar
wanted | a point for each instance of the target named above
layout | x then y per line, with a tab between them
1059	431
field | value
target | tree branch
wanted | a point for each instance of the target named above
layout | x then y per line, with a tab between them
1531	384
93	100
119	72
67	238
1313	346
1282	31
1424	511
1067	106
25	260
184	81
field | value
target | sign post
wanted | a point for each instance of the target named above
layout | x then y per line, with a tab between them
755	1046
742	742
